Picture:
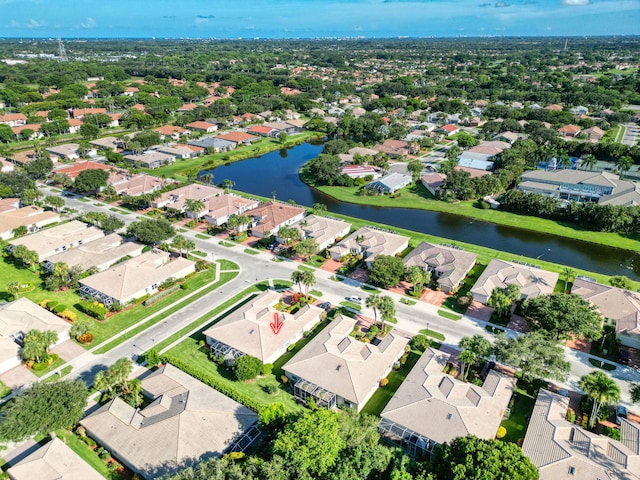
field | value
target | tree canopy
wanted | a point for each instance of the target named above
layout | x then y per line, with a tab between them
91	180
151	231
386	271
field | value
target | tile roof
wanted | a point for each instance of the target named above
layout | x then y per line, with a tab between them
338	362
238	137
322	229
533	282
451	264
226	205
177	198
72	171
25	216
440	407
46	241
273	214
374	242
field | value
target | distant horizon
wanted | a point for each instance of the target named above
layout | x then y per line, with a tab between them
310	19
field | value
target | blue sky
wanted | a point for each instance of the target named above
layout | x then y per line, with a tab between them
316	18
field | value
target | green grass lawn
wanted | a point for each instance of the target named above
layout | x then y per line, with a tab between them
370	290
406	301
189	351
416	196
316	261
202	236
305	269
227	264
518	420
603	365
383	395
110	328
227	244
87	454
4	390
56	364
315	293
351	305
250	251
432	334
449	315
199	254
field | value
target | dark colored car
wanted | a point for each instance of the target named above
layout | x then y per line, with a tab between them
623	357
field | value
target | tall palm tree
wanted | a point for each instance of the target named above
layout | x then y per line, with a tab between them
207	178
569	273
14	289
308	279
296	277
466	359
228	184
194	207
601	389
387	310
589	161
624	164
373	301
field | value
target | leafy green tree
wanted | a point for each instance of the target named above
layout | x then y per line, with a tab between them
54	201
37	343
13	289
61	271
247	367
635	392
110	224
91	180
151	231
418	277
386	271
471	458
601	389
620	281
20	231
478	345
502	299
415	168
534	355
273	417
115	382
569	274
306	247
89	131
39	168
43	408
79	328
311	445
319	209
562	316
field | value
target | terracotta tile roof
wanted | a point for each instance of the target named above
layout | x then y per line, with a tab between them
169	129
72	171
237	137
273	214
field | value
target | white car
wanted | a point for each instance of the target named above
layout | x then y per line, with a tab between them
357	300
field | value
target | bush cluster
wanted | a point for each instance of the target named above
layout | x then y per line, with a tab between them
93	309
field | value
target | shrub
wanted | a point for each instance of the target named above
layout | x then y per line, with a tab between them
59	308
51	305
571	415
69	315
105	455
291	347
384	382
267	368
44	303
89	441
93	309
270	388
284	379
86	338
115	466
81	431
152	357
612	432
501	432
247	367
117	306
168	283
201	265
184	286
420	342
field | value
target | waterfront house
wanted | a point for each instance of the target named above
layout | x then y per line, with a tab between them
270	217
390	183
369	242
220	208
216	144
177	199
325	231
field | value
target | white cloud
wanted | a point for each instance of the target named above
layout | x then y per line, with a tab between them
88	23
576	3
33	23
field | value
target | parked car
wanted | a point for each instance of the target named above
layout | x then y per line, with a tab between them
621	412
623	357
355	299
325	306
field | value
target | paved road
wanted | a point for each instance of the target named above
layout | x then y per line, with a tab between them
631	134
260	267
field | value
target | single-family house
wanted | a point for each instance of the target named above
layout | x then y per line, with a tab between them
215	143
360	171
569	130
81	112
431	408
363	152
325	231
53	461
448	129
107	143
369	242
220	208
187	421
32	217
150	159
73	170
201	126
6	166
448	266
176	199
285	127
181	151
619	307
239	138
264	131
395	148
336	369
531	280
272	216
594	134
13	119
433	182
35	131
9	204
259	330
554	107
74	125
139	276
133	185
16	319
579	110
562	450
68	151
59	238
172	131
508	137
390	183
99	254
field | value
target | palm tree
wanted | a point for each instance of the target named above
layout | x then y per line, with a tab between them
569	273
387	311
228	184
233	222
308	279
289	234
624	164
14	289
296	277
601	389
373	301
61	270
194	207
207	178
589	161
178	243
466	359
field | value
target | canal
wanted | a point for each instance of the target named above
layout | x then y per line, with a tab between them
277	173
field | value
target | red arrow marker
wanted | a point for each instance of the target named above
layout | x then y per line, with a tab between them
277	324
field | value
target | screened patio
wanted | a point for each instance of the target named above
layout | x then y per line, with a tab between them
224	351
413	443
323	398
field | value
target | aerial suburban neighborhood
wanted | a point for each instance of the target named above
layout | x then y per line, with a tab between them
321	257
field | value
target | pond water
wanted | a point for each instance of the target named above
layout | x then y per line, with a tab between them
278	172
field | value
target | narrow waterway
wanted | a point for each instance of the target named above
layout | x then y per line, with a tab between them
278	172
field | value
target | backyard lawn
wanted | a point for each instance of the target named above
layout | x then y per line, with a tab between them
523	401
87	454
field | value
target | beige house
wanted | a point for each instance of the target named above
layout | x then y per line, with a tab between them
531	280
619	307
176	199
431	408
271	217
219	209
53	461
563	451
136	277
134	185
32	217
325	231
447	265
186	421
369	242
60	238
336	369
254	329
16	319
100	253
151	159
67	151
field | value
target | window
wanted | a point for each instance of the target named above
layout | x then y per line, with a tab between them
572	470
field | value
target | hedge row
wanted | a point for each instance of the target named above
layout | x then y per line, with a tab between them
160	295
215	383
93	309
